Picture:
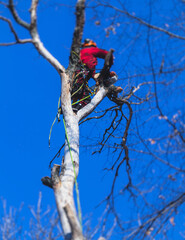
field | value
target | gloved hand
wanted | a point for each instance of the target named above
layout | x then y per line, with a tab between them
96	75
96	78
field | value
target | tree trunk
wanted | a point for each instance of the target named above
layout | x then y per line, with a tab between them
63	182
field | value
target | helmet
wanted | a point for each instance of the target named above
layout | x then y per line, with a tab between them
89	43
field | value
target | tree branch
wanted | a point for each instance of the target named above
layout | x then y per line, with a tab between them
14	43
171	206
33	13
98	117
20	41
141	21
32	28
77	36
47	181
37	42
16	16
93	104
3	3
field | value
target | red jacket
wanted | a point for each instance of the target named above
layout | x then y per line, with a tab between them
89	56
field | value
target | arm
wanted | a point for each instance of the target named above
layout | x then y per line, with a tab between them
100	53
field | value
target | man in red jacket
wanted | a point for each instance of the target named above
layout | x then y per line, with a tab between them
88	60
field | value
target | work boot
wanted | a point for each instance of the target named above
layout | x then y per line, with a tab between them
77	107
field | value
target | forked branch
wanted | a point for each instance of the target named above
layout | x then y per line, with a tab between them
17	40
32	28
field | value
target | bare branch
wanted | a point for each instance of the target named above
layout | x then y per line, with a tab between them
18	41
77	35
33	13
16	16
156	95
37	42
14	43
56	155
141	21
3	3
47	181
33	31
98	117
128	123
110	130
93	104
171	206
154	155
34	34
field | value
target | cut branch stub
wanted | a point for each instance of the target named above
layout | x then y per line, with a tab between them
47	181
113	96
54	180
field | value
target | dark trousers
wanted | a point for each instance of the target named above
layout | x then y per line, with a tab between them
80	89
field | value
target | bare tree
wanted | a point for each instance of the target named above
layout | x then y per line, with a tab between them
156	137
64	177
42	225
151	159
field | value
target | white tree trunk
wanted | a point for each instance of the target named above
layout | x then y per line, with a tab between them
64	186
62	180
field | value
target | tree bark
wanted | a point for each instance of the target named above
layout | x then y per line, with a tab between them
64	187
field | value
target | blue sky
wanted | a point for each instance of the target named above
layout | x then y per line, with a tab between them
29	94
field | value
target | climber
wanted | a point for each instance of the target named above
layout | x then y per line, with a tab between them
88	61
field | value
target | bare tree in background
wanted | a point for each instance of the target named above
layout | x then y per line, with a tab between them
42	224
150	54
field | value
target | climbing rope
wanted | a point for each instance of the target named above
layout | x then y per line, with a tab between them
77	90
57	117
75	176
60	111
84	98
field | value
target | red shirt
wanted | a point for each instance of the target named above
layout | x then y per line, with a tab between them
89	56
